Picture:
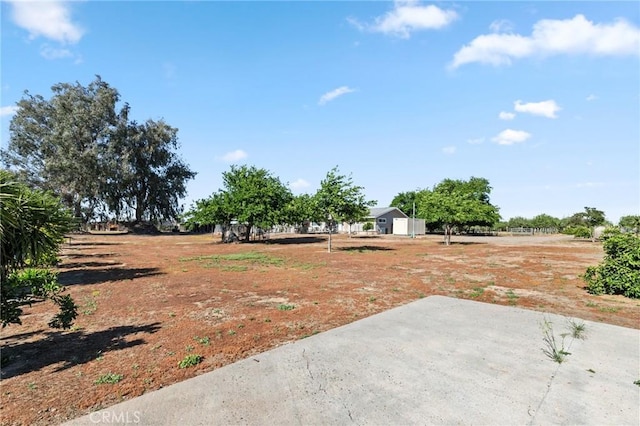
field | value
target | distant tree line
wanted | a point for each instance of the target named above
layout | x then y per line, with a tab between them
82	147
254	197
451	205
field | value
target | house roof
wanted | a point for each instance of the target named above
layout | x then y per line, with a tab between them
376	212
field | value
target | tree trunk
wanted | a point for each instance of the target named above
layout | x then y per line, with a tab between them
139	209
247	232
447	234
329	248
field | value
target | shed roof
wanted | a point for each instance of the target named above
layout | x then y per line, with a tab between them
376	212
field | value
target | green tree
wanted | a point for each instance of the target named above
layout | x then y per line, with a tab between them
32	227
457	204
520	222
80	146
405	201
212	211
57	144
545	221
252	196
299	211
339	200
630	222
145	174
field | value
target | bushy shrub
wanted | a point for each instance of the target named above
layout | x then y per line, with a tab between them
578	231
619	272
368	226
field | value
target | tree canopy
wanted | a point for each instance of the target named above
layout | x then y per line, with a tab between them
405	201
630	222
339	200
252	196
81	146
457	204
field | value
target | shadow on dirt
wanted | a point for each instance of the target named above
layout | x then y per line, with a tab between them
78	255
94	276
464	243
89	243
76	265
294	240
68	348
363	249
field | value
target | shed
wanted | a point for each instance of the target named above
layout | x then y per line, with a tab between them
406	226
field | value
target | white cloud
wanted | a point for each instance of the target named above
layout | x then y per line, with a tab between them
510	137
590	185
407	17
591	97
449	150
329	96
49	19
233	156
545	108
506	115
501	26
8	110
553	37
475	141
49	52
299	184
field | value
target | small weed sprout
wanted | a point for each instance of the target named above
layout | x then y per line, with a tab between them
576	329
109	378
286	307
551	349
203	340
190	360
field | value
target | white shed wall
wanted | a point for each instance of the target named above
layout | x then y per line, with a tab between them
404	226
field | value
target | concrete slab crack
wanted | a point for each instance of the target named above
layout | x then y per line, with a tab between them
544	397
304	355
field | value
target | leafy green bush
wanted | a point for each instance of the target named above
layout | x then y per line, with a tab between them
190	360
368	226
619	272
30	285
578	231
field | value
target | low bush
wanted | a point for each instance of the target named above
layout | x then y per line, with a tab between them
578	231
619	272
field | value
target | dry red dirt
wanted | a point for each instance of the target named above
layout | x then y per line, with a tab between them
148	301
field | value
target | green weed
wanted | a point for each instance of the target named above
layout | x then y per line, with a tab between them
190	360
556	352
202	340
284	307
477	292
109	378
576	329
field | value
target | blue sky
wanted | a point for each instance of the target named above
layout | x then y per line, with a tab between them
541	98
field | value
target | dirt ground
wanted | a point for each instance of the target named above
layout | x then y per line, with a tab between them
147	302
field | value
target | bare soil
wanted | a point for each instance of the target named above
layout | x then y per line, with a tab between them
146	302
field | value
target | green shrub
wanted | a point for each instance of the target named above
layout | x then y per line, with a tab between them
578	231
190	360
368	226
619	272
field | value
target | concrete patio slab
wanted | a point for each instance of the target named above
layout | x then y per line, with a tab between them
434	361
